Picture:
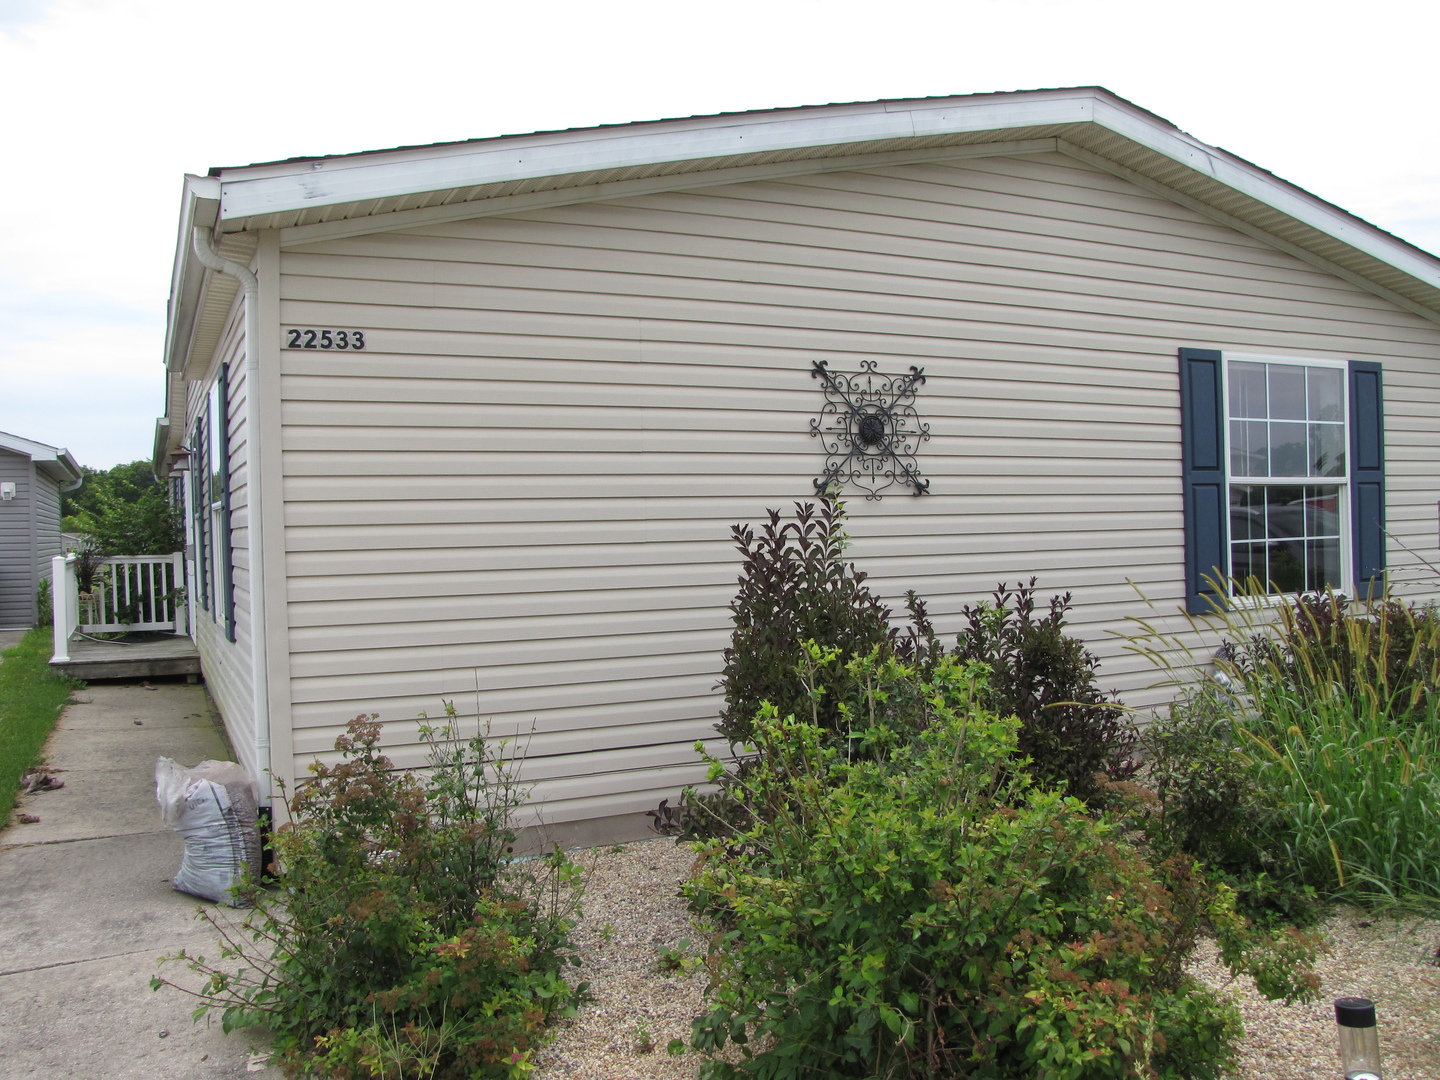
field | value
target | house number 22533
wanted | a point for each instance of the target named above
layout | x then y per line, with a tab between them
325	339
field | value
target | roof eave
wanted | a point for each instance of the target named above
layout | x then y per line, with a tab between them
54	461
199	206
368	187
1267	188
64	469
360	178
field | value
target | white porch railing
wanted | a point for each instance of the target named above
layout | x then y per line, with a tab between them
132	592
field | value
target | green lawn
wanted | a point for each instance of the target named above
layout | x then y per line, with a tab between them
31	697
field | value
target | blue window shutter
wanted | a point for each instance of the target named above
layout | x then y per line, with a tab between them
199	440
1202	456
227	554
1367	478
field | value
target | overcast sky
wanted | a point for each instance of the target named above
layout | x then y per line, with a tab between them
106	104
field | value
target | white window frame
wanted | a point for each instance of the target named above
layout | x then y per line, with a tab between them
1346	586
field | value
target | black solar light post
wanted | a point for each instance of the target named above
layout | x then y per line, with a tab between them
1359	1040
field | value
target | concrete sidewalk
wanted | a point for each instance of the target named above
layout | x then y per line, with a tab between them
86	905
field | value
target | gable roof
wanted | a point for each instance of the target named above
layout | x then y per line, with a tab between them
317	198
55	462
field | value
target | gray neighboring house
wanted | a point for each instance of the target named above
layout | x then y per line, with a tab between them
32	475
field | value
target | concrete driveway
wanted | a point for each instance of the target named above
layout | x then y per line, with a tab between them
88	908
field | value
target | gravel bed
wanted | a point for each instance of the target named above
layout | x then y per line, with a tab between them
633	911
1391	961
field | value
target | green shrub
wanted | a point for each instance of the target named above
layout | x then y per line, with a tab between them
403	937
1211	806
1071	731
1327	715
150	525
911	906
795	586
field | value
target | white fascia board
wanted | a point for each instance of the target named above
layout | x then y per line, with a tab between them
287	187
1078	107
370	176
1267	189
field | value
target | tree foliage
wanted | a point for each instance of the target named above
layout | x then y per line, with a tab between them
124	511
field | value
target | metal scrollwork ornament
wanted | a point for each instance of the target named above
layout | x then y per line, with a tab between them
870	430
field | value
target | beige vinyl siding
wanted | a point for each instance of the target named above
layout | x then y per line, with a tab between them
227	665
519	496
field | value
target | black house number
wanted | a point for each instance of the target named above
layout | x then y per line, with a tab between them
325	339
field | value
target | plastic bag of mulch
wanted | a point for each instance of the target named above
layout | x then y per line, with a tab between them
213	806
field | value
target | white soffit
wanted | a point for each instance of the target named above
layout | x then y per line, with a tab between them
1240	176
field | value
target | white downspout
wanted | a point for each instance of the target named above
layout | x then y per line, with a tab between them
260	675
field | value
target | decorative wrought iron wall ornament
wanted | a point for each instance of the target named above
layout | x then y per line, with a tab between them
870	430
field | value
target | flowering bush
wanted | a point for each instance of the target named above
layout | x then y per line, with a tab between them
403	937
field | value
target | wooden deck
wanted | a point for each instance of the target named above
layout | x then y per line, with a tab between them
92	660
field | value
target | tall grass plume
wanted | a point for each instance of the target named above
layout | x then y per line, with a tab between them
1331	710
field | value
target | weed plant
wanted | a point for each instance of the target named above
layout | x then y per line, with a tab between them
911	905
45	606
31	697
1315	745
403	939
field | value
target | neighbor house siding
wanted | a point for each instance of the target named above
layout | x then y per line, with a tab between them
227	665
47	524
17	543
518	497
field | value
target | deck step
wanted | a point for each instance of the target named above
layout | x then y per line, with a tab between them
97	660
